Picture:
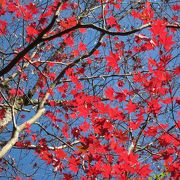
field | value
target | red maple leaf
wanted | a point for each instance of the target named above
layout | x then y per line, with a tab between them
131	107
177	70
85	126
82	30
134	125
3	26
46	156
112	60
52	75
158	27
176	7
82	46
31	31
65	129
60	154
14	92
11	7
120	96
69	40
154	106
167	100
32	8
68	23
167	41
106	170
109	93
73	164
34	137
151	131
111	21
145	170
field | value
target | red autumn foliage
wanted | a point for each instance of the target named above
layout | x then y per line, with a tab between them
89	90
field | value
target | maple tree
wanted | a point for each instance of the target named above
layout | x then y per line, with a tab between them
89	89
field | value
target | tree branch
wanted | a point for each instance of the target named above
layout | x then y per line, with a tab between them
18	129
92	26
37	41
34	147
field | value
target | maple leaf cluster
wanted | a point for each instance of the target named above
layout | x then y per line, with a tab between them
89	89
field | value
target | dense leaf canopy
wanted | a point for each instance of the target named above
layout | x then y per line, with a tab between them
89	89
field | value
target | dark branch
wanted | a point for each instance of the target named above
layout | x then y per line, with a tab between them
92	26
37	41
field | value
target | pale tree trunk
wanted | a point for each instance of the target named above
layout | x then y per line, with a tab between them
8	116
6	120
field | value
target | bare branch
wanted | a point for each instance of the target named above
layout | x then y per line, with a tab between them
92	26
